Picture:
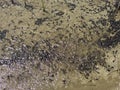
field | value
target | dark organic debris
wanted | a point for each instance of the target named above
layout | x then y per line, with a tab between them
60	13
4	3
117	4
49	54
110	41
64	81
111	16
102	21
3	34
89	64
28	53
71	6
28	6
39	21
115	25
15	2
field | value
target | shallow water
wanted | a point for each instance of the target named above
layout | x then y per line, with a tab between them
59	45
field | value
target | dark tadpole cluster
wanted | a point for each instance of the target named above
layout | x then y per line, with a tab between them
25	53
46	52
111	41
89	64
114	29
